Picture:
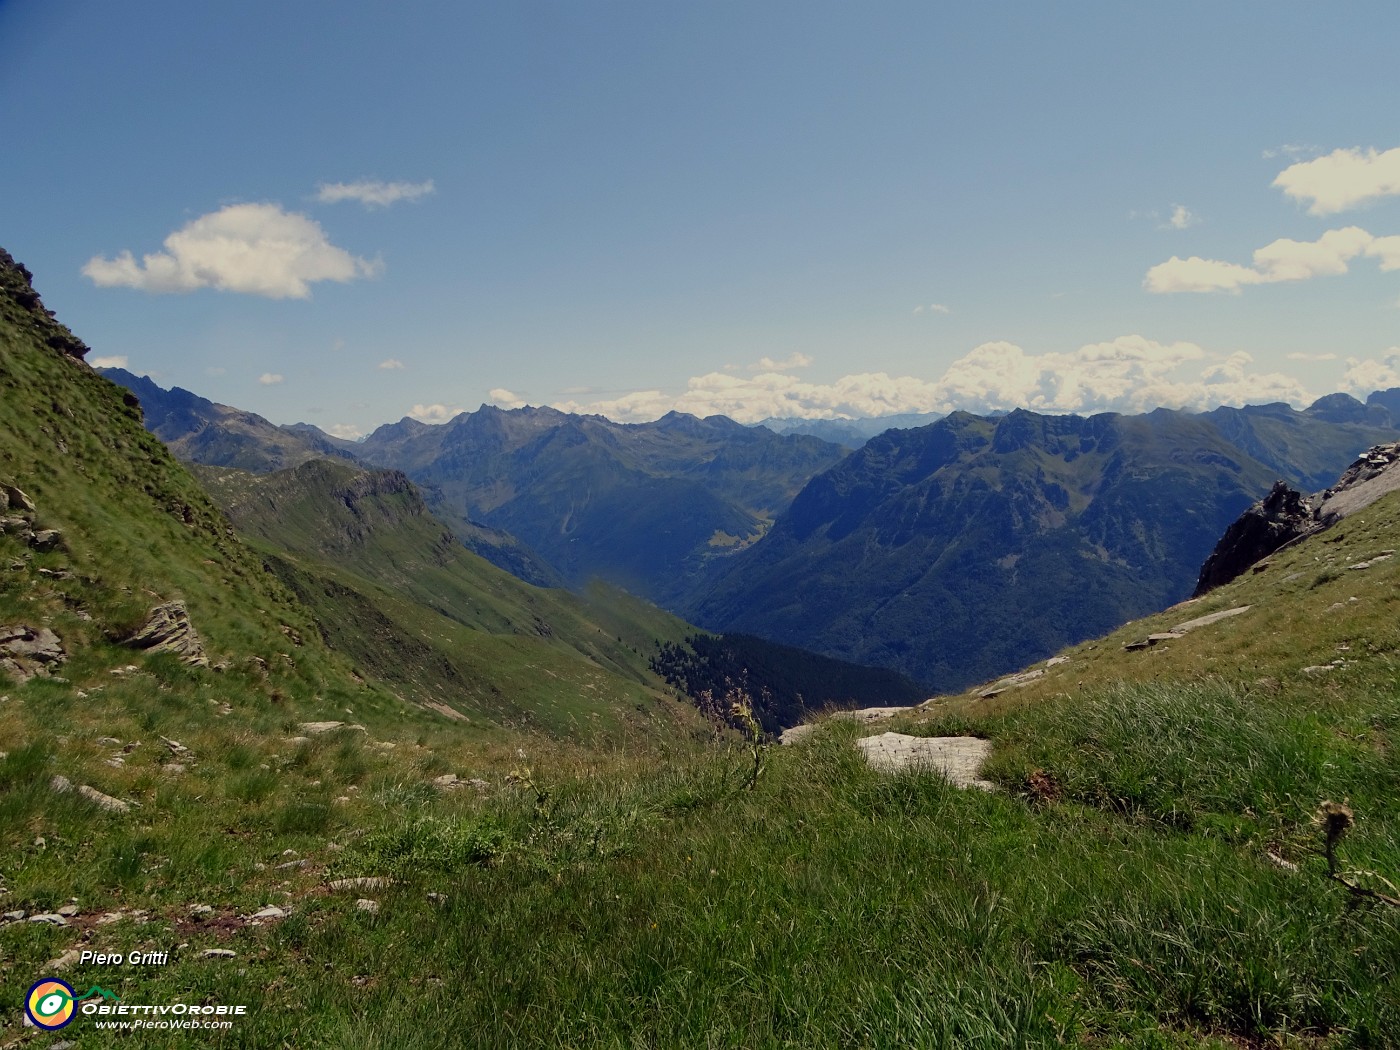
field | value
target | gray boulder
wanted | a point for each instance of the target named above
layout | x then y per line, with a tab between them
15	499
168	629
29	651
46	540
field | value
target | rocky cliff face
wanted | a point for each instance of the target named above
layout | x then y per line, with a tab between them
21	305
1281	517
1285	516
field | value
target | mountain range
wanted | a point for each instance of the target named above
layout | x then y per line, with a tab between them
951	552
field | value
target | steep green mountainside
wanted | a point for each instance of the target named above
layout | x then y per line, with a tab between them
644	506
393	588
136	530
969	547
200	431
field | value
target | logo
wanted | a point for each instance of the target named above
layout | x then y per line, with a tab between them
50	1004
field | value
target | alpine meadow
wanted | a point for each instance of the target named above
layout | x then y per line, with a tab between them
699	526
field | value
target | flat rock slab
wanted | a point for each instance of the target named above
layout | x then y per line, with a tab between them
1208	619
1181	628
958	758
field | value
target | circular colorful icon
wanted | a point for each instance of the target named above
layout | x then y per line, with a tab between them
50	1003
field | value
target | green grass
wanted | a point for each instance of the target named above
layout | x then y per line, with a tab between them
647	899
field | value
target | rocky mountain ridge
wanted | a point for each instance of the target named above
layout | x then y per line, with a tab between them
1285	516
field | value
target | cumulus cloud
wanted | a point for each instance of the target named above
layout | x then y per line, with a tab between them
1342	179
391	365
793	361
269	379
1298	355
1283	260
1364	375
373	193
116	361
348	431
257	249
433	413
503	398
1127	374
933	308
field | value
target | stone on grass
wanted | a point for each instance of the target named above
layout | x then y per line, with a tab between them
367	905
362	882
107	802
45	540
958	758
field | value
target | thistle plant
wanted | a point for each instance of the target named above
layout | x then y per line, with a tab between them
741	711
1336	819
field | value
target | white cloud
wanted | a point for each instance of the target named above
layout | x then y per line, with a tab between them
793	361
933	308
433	413
348	431
1182	218
1344	178
1300	356
1199	275
373	193
1363	375
269	378
391	365
215	370
1127	374
258	249
116	361
503	398
1283	260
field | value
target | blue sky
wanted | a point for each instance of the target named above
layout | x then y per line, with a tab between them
345	213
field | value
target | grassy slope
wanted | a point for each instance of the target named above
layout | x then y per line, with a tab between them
438	619
1116	892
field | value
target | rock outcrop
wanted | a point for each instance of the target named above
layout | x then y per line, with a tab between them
27	652
1285	516
17	296
168	629
1281	517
